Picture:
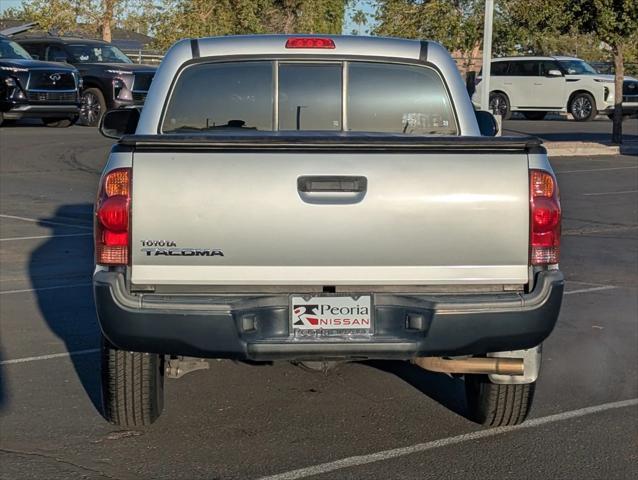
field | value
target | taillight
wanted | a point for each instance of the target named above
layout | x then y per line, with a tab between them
310	42
112	218
545	218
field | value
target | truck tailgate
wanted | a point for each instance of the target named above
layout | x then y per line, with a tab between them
225	217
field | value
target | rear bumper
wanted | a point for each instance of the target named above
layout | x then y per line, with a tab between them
257	327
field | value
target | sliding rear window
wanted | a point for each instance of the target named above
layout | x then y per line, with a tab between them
310	96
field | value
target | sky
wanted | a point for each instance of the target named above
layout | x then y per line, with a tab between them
4	4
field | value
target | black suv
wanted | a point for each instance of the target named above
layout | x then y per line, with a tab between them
111	79
33	89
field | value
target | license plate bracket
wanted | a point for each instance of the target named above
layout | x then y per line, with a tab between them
331	316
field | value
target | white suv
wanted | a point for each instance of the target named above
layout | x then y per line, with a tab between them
537	85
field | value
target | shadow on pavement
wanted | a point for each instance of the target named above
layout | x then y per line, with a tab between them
69	312
447	391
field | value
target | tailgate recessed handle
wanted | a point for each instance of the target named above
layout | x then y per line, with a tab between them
332	183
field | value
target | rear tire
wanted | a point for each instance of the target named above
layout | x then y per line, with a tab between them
59	122
500	105
534	115
496	405
583	107
132	386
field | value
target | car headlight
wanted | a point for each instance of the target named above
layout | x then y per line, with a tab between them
10	82
603	80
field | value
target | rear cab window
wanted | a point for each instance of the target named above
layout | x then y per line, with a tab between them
282	95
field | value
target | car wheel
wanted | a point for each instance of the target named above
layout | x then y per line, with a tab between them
534	115
132	386
92	107
58	122
500	105
496	405
583	107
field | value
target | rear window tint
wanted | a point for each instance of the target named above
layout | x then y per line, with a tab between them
396	98
380	97
310	97
498	69
218	96
528	68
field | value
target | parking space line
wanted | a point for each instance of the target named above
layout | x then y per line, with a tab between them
55	287
609	193
597	170
592	289
12	239
49	357
444	442
46	222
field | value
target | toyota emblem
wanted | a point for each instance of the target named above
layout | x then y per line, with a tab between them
55	77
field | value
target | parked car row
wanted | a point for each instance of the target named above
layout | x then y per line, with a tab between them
64	80
535	86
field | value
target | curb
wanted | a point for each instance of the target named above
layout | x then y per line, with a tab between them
578	149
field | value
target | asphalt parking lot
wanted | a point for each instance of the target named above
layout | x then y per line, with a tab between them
557	129
236	421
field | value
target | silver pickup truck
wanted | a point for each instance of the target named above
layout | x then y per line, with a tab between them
318	200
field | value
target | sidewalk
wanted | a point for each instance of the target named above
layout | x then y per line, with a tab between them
581	148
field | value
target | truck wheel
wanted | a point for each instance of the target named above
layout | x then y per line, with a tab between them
92	107
534	115
58	122
496	405
500	105
132	386
583	107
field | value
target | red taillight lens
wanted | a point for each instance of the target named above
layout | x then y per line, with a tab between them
113	213
310	42
112	218
545	218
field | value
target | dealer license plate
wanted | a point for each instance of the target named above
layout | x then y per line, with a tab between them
327	316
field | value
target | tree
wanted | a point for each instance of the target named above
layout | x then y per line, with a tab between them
202	18
615	22
91	17
457	24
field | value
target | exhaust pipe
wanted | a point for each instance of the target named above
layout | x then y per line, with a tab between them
489	365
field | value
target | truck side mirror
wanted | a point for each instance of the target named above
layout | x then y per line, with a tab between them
117	123
488	125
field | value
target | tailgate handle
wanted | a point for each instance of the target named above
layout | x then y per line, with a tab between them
344	184
332	189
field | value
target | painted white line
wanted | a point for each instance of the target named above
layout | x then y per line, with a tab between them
592	289
46	222
56	287
13	239
423	447
49	357
609	193
597	170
